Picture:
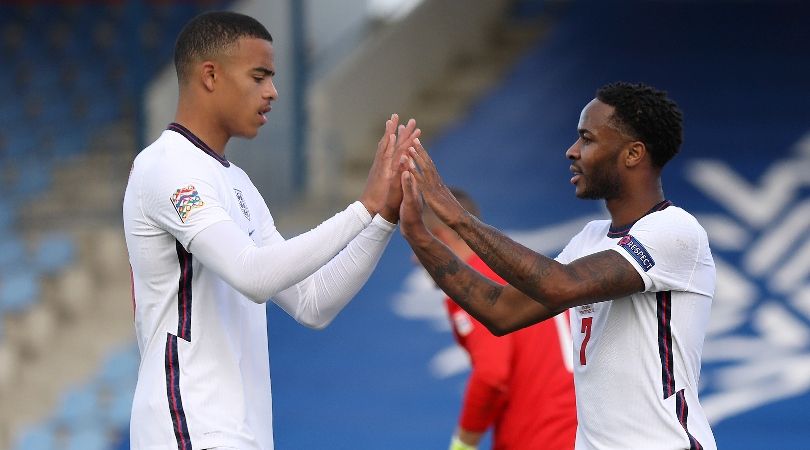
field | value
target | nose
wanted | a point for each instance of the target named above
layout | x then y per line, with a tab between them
573	151
271	93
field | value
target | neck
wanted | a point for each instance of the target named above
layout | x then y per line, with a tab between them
192	115
631	206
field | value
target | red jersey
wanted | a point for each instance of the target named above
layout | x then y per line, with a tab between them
521	383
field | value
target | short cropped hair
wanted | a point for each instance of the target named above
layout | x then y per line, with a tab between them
647	114
210	33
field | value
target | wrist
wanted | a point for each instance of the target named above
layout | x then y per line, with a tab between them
419	238
368	205
390	214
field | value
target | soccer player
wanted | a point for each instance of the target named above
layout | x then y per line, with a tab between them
521	384
206	255
639	286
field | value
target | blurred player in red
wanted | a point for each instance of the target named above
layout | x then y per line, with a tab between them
521	384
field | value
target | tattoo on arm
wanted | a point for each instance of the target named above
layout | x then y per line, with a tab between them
493	294
598	277
519	266
449	268
471	290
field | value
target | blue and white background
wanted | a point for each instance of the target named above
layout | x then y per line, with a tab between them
385	374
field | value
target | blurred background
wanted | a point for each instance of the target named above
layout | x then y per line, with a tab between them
497	87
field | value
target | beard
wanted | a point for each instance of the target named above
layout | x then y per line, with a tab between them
602	184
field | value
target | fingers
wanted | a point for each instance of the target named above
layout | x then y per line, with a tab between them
410	193
407	133
423	154
408	130
390	128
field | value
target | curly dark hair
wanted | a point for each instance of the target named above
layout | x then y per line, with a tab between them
209	33
646	114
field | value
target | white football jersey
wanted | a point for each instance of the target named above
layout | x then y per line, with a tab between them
637	358
204	378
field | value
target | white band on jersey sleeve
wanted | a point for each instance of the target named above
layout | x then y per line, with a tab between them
316	301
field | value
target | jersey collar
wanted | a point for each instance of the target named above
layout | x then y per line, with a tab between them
186	133
621	231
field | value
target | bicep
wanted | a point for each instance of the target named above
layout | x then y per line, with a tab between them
601	276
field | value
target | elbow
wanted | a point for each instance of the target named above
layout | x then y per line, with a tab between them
254	295
499	328
499	331
314	323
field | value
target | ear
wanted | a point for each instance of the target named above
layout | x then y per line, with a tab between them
635	154
209	75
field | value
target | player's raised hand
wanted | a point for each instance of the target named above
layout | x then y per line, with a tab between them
436	194
375	193
406	134
411	224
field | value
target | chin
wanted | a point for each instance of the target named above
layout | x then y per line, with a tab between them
249	133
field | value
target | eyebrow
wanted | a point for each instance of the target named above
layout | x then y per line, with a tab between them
264	71
582	131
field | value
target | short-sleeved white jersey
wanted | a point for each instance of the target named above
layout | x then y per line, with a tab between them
637	358
204	378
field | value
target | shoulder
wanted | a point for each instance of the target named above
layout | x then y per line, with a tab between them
672	233
671	222
171	158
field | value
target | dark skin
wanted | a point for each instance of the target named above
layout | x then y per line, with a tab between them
605	163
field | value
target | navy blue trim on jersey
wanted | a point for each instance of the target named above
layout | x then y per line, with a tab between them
176	127
184	293
682	409
176	411
664	308
621	231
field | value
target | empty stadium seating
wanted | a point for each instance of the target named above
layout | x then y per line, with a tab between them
71	69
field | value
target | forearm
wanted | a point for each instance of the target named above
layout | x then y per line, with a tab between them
317	300
523	268
261	272
476	294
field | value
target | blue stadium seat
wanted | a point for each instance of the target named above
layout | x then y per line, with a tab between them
120	368
38	437
32	178
53	252
19	290
91	437
8	215
120	408
79	407
12	253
